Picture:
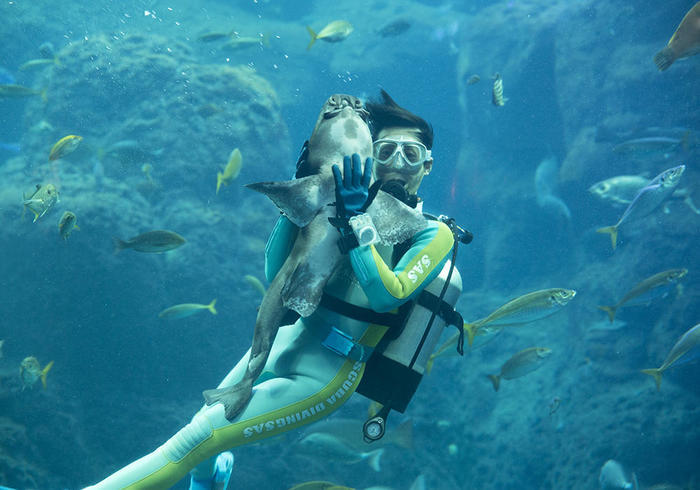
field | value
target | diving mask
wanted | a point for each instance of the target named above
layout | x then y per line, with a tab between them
387	151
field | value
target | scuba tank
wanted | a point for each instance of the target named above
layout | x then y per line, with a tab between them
397	365
416	343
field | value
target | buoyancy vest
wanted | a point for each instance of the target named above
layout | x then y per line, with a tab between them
396	366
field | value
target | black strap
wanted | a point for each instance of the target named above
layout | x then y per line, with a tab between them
347	240
396	321
442	308
366	315
426	332
445	311
426	299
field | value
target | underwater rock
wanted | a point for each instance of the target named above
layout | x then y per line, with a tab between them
152	90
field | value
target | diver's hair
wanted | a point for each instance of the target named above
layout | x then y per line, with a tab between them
388	114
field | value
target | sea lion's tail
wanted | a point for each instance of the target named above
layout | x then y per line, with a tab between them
664	58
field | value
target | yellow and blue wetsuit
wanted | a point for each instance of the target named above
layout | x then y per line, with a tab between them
303	381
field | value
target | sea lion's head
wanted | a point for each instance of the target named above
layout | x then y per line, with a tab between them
341	129
341	103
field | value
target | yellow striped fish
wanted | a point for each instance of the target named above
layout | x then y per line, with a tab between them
497	98
65	146
688	341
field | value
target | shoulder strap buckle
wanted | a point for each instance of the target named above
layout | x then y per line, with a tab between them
344	345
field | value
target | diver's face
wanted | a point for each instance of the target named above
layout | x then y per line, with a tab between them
398	168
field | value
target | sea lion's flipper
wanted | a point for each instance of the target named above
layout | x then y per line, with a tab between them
302	292
233	397
299	199
310	264
395	222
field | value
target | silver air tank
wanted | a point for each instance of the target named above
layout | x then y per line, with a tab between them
405	347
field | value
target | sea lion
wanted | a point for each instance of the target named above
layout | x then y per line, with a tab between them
685	41
341	129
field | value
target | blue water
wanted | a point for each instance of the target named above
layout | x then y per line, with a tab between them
124	380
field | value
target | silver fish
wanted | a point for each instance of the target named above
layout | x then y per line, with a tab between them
43	199
328	446
620	189
186	309
395	28
342	439
527	308
647	199
30	371
650	146
614	476
340	130
522	363
646	290
156	241
334	32
67	224
523	309
688	341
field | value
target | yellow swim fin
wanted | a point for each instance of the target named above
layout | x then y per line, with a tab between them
496	380
429	364
211	308
656	374
612	230
314	36
470	329
219	181
44	372
610	310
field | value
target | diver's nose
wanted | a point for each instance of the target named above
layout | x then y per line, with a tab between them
400	161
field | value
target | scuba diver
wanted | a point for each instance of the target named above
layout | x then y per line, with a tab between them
380	317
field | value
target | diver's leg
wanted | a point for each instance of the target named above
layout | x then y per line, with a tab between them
205	471
310	383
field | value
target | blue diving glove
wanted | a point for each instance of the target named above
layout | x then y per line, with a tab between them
352	187
353	195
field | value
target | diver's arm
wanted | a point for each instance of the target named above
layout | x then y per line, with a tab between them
387	288
279	245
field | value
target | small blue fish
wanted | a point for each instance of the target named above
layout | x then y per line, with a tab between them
6	78
647	199
654	147
10	147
